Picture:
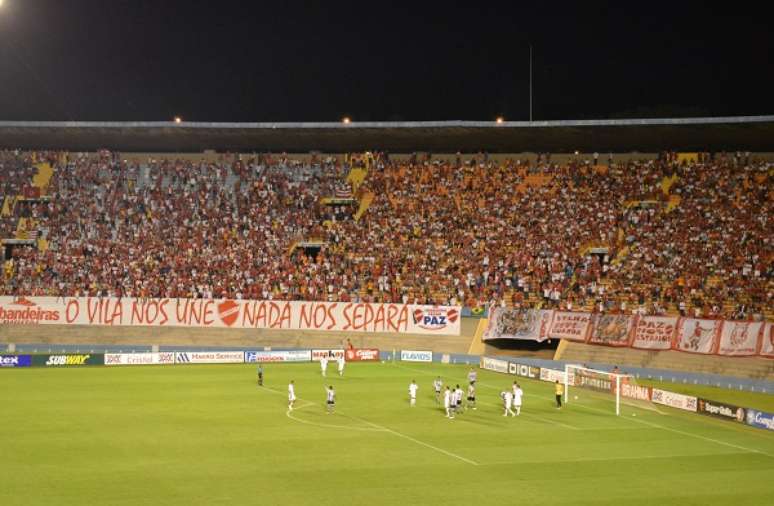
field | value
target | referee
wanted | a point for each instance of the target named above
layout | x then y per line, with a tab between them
559	388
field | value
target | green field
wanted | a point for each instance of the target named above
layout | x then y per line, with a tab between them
208	435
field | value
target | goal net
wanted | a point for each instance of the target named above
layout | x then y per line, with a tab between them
622	389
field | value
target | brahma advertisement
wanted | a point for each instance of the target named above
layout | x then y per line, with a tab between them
227	313
494	364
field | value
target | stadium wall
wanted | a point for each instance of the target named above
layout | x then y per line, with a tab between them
232	338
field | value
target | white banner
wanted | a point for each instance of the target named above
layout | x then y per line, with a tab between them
523	370
512	323
209	357
697	335
654	332
740	338
139	358
317	355
573	326
494	364
416	356
767	343
278	356
227	313
673	400
551	375
612	329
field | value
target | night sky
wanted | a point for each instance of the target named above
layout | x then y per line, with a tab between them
319	61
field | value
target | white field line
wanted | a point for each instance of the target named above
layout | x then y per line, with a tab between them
655	425
376	428
417	441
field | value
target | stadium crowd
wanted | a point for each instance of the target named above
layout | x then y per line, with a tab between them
573	235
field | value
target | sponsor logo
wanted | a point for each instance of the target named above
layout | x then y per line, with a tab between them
434	318
67	359
362	355
329	354
25	312
278	356
139	358
228	310
551	375
760	419
523	370
493	364
15	361
673	400
720	410
416	356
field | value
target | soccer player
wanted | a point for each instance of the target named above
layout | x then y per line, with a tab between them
323	365
330	401
447	403
472	376
517	395
291	395
437	385
260	375
458	399
341	362
508	402
559	389
413	387
472	396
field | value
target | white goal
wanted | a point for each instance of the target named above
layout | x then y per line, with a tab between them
622	387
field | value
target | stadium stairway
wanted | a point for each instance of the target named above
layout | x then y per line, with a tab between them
739	367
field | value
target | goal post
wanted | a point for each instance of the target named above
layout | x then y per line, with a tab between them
580	377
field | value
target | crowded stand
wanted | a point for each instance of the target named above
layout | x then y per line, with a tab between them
648	236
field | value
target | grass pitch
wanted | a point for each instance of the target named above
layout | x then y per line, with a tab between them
208	435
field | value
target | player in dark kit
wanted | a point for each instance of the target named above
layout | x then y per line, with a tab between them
260	375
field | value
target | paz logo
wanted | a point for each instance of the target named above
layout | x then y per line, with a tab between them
434	318
228	310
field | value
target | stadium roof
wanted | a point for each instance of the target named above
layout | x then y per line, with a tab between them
748	133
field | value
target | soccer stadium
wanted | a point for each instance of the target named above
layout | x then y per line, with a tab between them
386	312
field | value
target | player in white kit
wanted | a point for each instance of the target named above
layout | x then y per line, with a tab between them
517	395
323	365
458	399
447	403
291	395
413	387
437	385
330	399
471	396
341	362
507	402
